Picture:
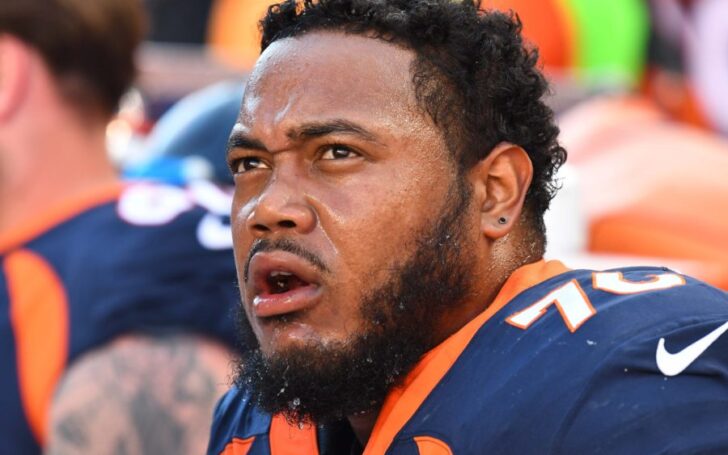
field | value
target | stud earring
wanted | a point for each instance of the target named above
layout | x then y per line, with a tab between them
502	220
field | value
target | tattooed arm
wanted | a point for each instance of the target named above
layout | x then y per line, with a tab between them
139	395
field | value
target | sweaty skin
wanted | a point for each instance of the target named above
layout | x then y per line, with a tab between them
332	152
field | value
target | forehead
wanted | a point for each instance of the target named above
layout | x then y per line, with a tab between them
332	74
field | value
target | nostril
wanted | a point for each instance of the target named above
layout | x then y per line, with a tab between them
287	224
261	227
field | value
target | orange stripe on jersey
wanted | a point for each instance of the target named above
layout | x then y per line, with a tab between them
402	403
56	215
289	439
39	317
427	445
238	446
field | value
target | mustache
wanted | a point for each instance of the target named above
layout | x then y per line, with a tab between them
289	246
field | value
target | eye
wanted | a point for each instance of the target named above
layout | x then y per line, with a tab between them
338	152
248	163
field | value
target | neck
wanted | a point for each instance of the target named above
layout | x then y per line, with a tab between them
363	424
495	266
50	163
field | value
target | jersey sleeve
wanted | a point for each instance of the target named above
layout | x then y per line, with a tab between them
630	406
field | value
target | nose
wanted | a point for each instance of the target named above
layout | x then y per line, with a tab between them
281	207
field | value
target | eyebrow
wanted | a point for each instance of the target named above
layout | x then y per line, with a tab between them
338	126
306	131
240	140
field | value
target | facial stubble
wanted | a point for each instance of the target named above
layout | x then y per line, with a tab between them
325	383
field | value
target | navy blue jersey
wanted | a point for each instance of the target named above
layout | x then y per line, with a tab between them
630	361
141	258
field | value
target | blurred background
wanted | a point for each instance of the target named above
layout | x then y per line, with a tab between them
640	90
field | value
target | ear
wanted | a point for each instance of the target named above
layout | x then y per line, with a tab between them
500	182
14	74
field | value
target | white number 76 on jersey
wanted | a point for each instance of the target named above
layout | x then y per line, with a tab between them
574	305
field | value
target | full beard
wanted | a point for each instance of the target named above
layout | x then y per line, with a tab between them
325	383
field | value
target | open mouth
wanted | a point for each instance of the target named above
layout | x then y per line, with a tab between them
281	283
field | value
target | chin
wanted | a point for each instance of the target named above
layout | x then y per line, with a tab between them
284	335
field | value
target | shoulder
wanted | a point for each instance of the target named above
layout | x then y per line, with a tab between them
588	322
172	232
648	361
158	259
200	212
145	222
136	395
571	363
581	318
612	306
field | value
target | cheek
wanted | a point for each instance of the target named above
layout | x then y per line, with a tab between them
244	202
374	224
242	240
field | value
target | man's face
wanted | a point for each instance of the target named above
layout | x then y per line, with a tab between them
343	187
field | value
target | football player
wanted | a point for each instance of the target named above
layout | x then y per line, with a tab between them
393	160
115	299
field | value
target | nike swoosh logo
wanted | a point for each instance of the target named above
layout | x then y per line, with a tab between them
674	364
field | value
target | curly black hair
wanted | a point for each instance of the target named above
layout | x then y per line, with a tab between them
472	75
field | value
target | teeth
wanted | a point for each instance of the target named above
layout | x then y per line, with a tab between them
280	273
